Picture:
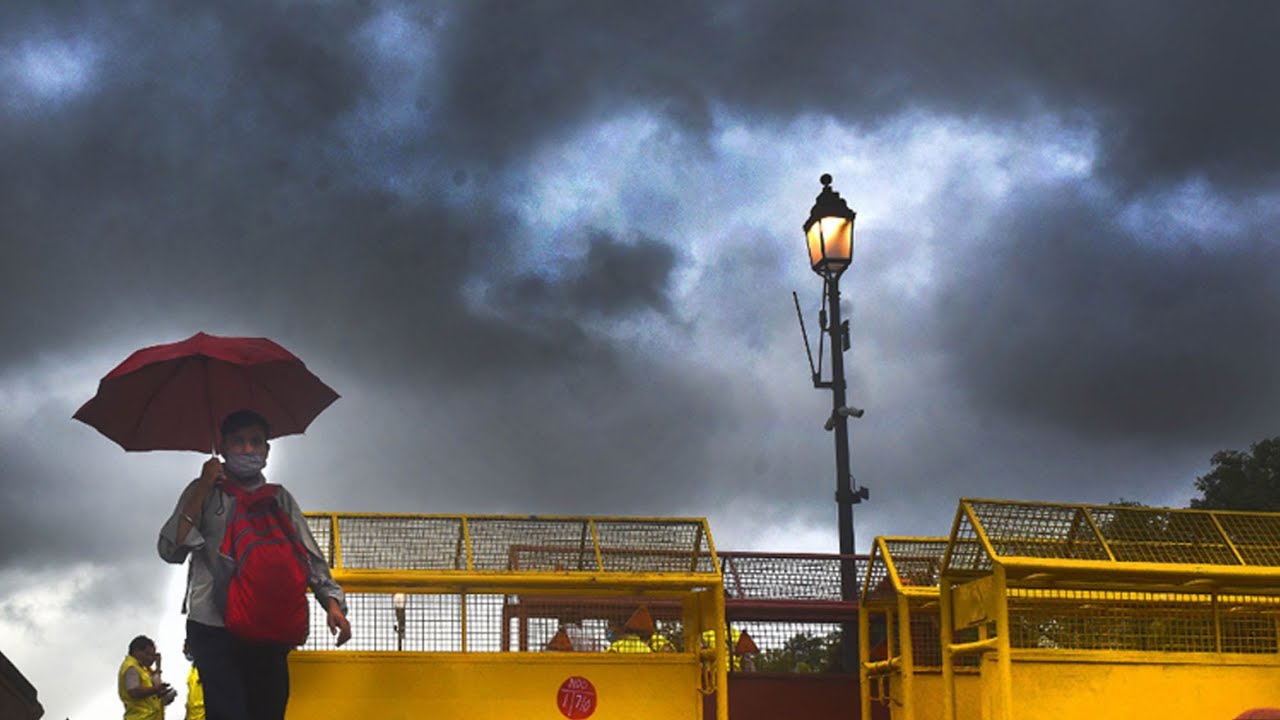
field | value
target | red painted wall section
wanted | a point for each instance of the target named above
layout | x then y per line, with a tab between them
786	696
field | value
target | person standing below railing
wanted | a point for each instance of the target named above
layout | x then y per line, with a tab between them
138	682
195	689
242	656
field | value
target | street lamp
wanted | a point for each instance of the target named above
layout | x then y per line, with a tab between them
829	232
398	603
829	235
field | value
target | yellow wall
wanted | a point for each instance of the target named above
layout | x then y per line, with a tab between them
484	686
1127	690
927	694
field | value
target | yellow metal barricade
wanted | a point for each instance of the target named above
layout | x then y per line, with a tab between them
1111	612
531	617
900	630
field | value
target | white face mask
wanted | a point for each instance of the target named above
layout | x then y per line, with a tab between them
244	466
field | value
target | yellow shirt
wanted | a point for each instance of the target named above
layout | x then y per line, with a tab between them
195	695
629	644
147	708
709	641
660	644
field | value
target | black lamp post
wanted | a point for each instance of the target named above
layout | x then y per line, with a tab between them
829	232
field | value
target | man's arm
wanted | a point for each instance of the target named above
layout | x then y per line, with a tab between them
180	534
133	686
328	593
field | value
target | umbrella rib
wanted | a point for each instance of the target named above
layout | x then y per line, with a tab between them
284	407
177	368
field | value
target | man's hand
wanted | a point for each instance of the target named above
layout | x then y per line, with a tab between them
210	473
338	623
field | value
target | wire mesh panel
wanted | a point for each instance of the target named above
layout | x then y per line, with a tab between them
425	590
583	623
785	647
654	546
431	623
401	543
488	622
1155	622
1256	536
320	526
1112	533
532	544
877	585
966	552
917	561
1035	530
785	576
1250	624
1115	607
1090	620
524	544
1139	534
785	610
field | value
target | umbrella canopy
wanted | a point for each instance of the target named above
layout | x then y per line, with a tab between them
174	396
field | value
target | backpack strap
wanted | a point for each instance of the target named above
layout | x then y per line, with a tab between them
186	593
263	492
267	493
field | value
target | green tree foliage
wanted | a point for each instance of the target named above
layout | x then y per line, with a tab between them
803	653
1242	480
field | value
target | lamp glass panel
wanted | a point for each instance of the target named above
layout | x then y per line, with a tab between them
831	243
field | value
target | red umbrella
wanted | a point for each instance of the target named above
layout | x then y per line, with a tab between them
173	397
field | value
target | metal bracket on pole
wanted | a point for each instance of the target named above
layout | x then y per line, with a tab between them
853	497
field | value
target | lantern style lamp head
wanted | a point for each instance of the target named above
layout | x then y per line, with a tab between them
829	231
398	603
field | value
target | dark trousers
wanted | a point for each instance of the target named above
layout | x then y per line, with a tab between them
242	680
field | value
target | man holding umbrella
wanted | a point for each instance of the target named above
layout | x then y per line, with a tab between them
252	553
243	678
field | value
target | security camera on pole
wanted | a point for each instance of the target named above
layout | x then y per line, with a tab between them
829	234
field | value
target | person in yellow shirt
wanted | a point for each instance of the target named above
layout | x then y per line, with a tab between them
138	682
637	635
740	648
195	689
628	641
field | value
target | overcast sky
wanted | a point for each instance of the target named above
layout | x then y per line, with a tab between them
545	252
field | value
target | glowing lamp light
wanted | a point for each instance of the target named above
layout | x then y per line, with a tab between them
398	602
829	232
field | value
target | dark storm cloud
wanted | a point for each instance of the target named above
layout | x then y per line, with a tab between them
1064	317
65	497
613	279
208	173
1175	90
208	183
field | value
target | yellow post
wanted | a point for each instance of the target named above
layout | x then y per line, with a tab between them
462	617
1004	658
864	657
722	657
948	634
906	667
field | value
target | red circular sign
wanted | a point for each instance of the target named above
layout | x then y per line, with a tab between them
576	698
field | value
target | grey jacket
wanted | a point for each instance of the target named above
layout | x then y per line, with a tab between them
204	540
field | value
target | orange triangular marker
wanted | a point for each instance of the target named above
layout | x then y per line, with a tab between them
560	642
745	645
640	621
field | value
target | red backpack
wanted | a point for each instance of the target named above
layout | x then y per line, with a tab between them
267	591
